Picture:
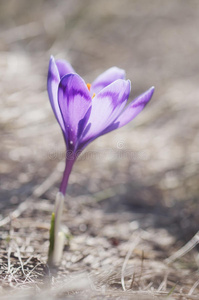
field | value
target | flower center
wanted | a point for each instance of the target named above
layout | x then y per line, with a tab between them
89	88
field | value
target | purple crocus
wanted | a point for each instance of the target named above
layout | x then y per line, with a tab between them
87	111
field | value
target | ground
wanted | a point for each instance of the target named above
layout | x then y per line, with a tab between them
132	199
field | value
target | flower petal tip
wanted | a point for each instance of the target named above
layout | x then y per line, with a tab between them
150	92
52	58
152	88
129	83
119	71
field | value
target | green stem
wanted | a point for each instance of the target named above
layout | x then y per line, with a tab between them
52	239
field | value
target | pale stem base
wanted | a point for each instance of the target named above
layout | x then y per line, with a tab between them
59	236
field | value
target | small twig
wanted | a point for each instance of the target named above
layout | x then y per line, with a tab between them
172	290
28	275
9	264
193	287
129	253
148	286
25	263
185	249
132	281
163	284
21	263
142	265
20	260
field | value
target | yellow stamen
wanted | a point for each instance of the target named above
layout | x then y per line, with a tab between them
89	86
93	95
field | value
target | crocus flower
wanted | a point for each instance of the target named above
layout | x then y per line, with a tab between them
87	111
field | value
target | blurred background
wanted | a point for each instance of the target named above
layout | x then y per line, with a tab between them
152	164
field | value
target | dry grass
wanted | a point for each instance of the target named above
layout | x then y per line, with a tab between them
100	262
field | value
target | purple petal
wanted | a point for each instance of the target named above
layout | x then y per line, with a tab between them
132	110
64	67
83	122
52	86
74	101
106	107
107	78
111	127
135	107
85	142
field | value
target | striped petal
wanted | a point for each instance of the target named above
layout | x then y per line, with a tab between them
74	102
106	107
128	114
135	107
